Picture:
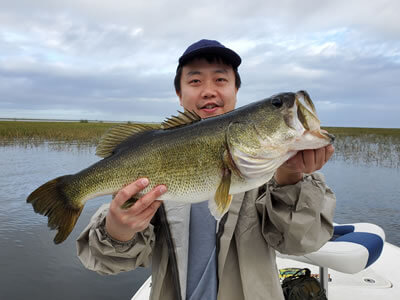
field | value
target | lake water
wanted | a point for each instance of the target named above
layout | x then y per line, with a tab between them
31	266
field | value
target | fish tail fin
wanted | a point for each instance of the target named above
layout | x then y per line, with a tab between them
50	200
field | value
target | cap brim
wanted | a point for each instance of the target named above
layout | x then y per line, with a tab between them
225	53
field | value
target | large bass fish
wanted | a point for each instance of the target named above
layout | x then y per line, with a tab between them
197	159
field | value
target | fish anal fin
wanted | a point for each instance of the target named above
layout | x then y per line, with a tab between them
182	119
116	135
222	200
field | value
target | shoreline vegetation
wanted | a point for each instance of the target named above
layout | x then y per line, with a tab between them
79	132
90	132
379	146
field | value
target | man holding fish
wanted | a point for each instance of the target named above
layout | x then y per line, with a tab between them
267	197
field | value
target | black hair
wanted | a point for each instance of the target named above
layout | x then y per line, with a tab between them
210	58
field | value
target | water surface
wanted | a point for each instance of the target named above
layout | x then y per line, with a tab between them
33	267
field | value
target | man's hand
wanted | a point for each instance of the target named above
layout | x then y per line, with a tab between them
306	161
122	224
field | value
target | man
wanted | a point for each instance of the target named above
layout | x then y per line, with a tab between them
193	256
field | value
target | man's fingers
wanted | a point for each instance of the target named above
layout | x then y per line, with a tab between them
130	190
141	221
315	159
143	203
149	212
305	161
309	161
296	163
329	152
320	158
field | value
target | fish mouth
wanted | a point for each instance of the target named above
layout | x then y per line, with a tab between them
307	116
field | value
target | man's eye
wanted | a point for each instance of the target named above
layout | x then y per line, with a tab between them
194	81
221	79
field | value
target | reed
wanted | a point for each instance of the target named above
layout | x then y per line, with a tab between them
362	131
23	132
372	146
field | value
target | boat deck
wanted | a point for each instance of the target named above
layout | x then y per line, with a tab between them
380	281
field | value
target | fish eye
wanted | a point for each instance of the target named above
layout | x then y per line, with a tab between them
277	102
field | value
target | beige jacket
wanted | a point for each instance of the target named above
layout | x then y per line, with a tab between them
294	219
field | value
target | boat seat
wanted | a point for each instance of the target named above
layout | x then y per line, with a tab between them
352	248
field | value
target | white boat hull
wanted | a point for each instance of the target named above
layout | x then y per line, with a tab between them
380	281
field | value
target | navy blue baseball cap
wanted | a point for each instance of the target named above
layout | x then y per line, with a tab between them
210	47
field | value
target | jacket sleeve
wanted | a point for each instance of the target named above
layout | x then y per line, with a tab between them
297	219
99	252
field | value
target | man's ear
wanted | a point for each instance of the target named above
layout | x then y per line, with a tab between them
180	97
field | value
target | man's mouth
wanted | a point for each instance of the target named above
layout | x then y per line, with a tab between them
211	106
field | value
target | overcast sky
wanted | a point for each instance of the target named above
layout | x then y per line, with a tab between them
116	60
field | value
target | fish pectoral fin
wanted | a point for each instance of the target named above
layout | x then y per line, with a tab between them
222	200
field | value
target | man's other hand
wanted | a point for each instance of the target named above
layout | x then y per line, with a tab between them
122	224
306	161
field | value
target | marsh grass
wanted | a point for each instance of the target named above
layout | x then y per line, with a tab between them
379	146
362	131
38	132
371	146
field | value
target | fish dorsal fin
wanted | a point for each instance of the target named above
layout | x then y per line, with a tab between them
118	134
184	118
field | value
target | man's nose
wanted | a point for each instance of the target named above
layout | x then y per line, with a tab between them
208	90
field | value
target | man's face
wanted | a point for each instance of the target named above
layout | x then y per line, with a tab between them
207	88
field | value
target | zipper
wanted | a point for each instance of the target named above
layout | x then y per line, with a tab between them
171	249
220	232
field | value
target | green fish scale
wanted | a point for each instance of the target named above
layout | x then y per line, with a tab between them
185	165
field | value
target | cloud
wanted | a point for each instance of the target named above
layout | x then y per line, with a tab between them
117	62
